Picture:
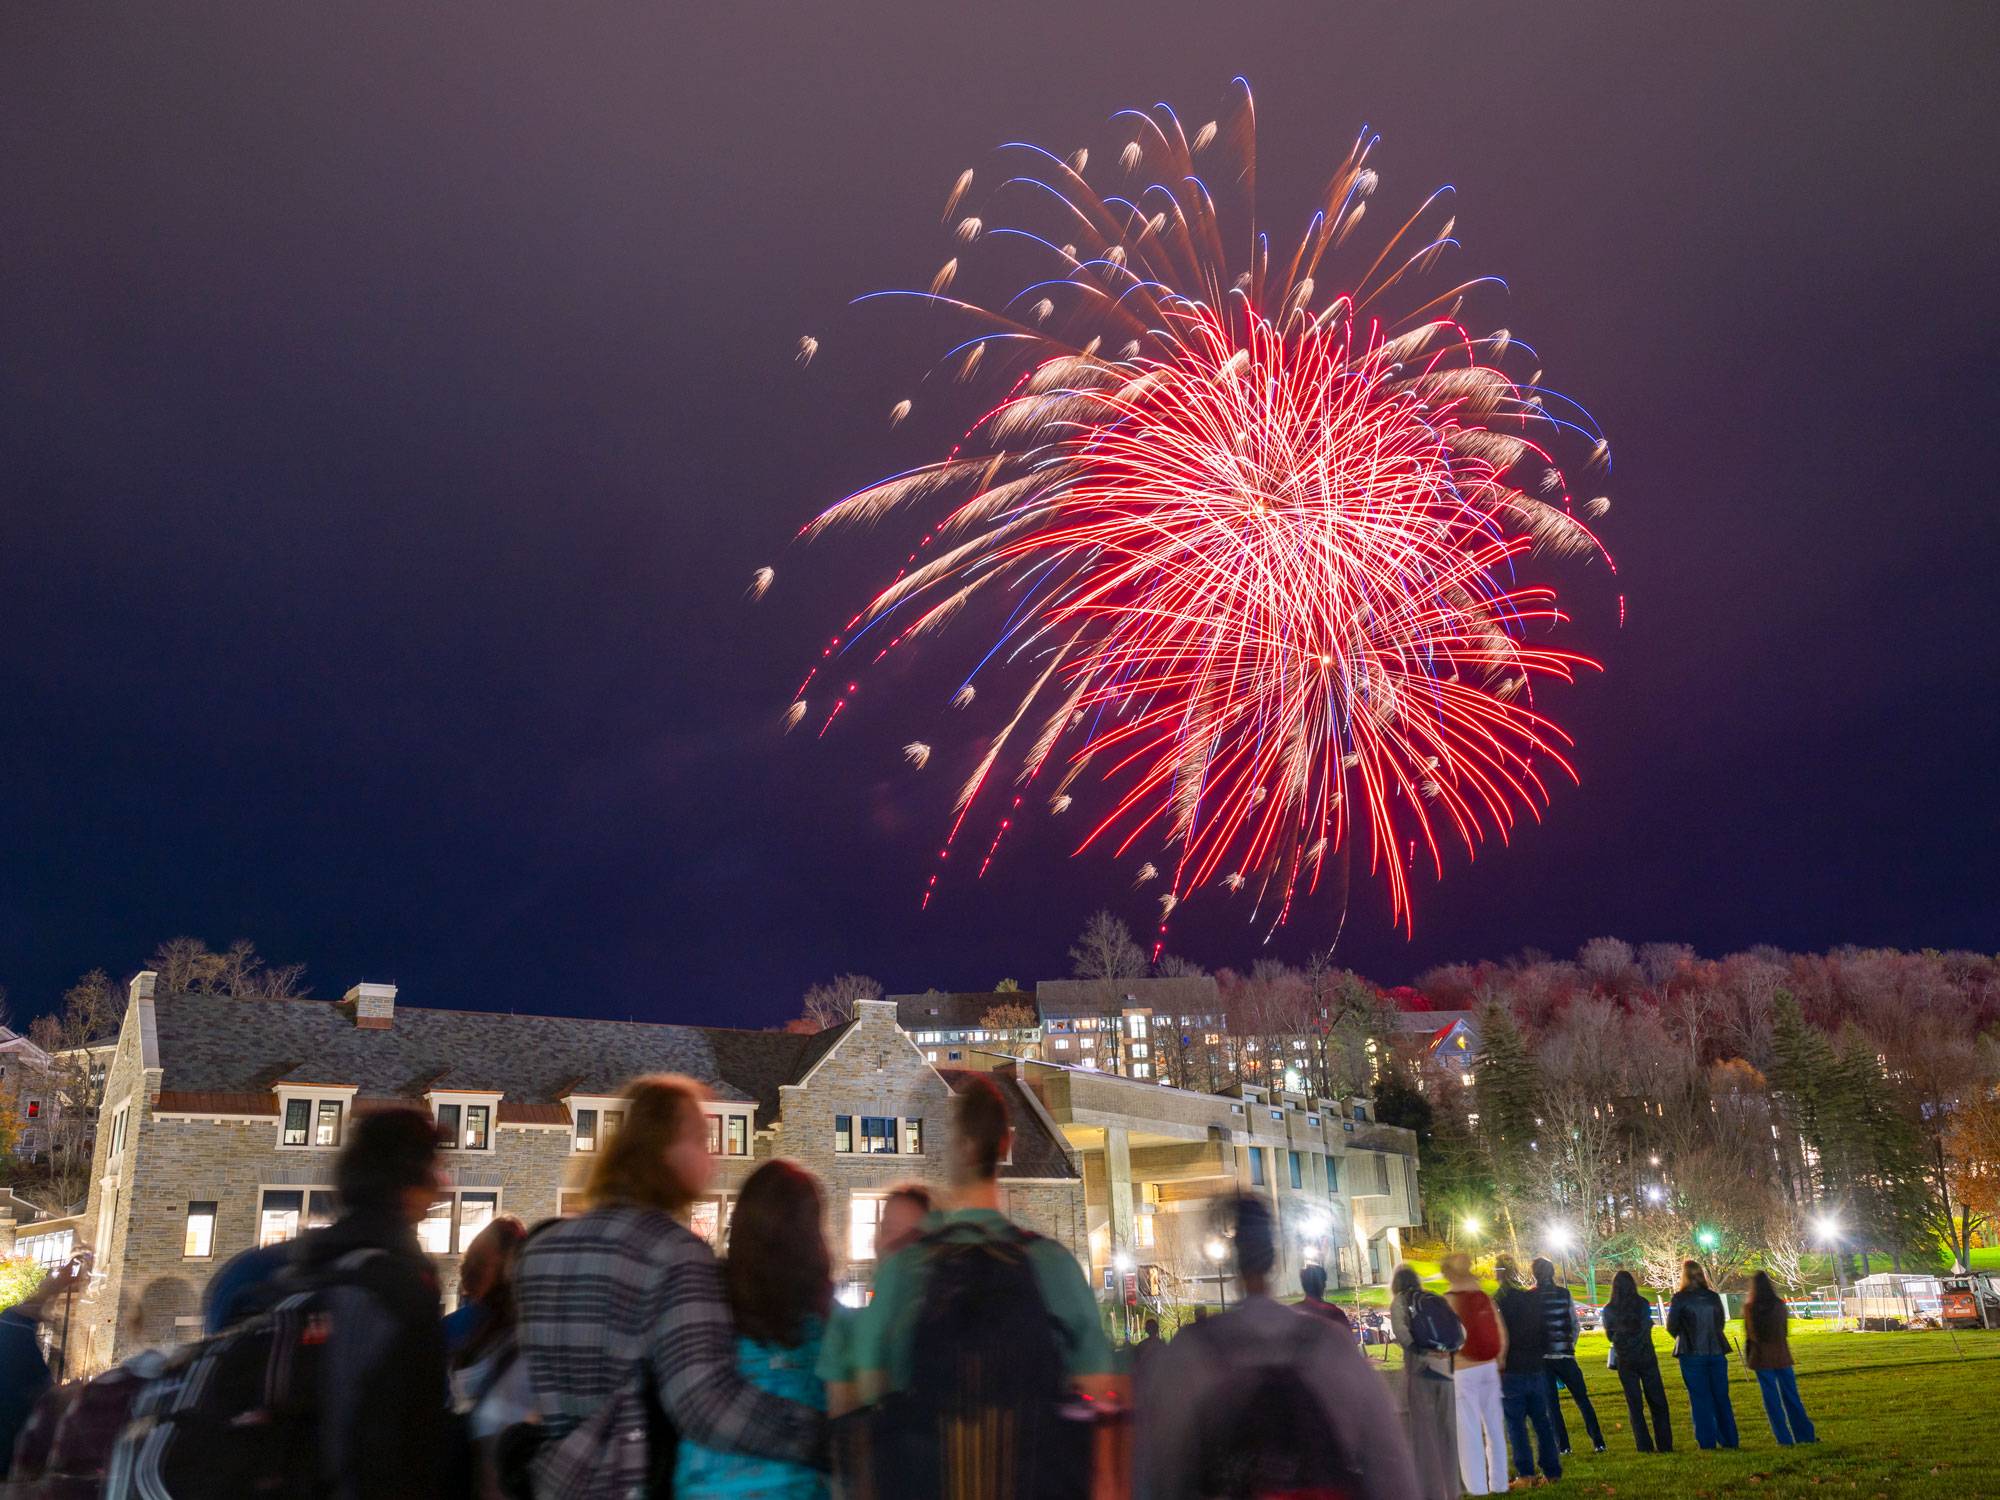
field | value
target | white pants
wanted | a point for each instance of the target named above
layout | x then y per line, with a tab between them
1482	1431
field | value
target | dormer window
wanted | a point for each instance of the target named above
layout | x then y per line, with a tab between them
465	1120
313	1119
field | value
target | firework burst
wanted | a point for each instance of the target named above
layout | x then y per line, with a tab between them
1249	520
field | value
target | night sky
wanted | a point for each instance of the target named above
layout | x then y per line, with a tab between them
394	401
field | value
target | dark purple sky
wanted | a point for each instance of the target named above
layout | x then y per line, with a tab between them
395	398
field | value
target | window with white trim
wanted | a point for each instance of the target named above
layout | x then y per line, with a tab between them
198	1239
455	1220
464	1124
311	1122
864	1215
283	1213
119	1122
878	1135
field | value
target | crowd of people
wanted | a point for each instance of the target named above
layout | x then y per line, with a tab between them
612	1354
1490	1379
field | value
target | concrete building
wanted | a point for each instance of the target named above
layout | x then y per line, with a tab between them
1157	1160
222	1118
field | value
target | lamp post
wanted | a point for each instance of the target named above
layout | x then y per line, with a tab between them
1216	1250
1827	1227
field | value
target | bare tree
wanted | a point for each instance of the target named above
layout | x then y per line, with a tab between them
91	1013
187	966
832	1003
1105	950
1173	966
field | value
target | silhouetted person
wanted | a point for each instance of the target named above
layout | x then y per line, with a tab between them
1524	1385
1628	1323
1312	1282
1767	1349
1695	1317
1559	1357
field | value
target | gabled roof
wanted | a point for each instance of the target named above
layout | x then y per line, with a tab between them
962	1010
218	1045
1037	1153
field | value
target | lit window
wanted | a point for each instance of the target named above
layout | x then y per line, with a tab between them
1144	1227
326	1130
198	1242
714	1123
1298	1177
477	1119
298	1120
913	1137
34	1109
284	1212
1142	1070
448	1124
586	1130
863	1215
705	1219
1062	1044
434	1233
843	1133
878	1135
739	1135
475	1212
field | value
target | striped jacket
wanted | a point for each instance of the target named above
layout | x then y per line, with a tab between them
625	1293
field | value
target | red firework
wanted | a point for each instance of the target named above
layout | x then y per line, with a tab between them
1257	546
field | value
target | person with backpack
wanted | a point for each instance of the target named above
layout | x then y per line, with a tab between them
1430	1334
1260	1401
1523	1381
1767	1350
1696	1319
1628	1323
67	1450
625	1323
979	1335
337	1386
1559	1357
1475	1379
779	1275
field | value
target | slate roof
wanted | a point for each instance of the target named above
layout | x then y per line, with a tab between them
1196	995
961	1011
213	1044
1037	1153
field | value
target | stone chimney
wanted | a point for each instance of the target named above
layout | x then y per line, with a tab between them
142	985
374	1006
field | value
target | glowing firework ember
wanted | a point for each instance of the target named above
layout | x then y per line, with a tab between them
1247	520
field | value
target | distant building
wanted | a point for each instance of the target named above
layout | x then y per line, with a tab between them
1443	1044
948	1028
222	1118
1131	1027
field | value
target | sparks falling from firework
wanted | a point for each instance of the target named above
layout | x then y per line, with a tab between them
1249	521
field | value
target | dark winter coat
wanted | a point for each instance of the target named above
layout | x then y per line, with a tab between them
1527	1336
1628	1323
1695	1318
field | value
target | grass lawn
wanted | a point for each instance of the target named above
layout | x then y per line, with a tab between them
1899	1415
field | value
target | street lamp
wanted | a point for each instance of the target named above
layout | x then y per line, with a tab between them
1826	1227
1708	1239
1471	1225
1217	1251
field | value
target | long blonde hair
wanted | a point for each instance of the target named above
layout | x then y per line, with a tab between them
633	1168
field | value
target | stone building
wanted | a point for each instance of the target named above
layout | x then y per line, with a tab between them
222	1118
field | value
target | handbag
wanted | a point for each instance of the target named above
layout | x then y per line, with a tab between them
1611	1358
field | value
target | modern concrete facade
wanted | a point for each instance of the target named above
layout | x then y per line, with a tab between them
1157	1160
222	1118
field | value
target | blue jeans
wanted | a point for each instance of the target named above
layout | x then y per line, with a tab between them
1524	1399
1789	1421
1707	1379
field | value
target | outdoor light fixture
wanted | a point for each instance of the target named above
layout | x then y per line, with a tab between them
1472	1225
1560	1236
1706	1238
1215	1248
1122	1260
1827	1226
1655	1195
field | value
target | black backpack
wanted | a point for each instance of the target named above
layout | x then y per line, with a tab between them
1262	1433
1433	1324
988	1410
238	1415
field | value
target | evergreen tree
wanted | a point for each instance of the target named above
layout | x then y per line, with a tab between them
1801	1074
1507	1090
